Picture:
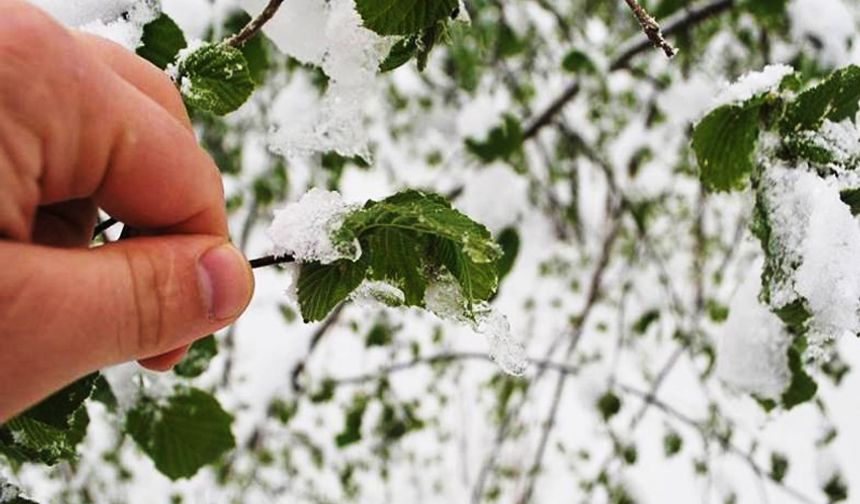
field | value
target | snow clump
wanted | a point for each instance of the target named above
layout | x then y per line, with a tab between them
304	229
753	84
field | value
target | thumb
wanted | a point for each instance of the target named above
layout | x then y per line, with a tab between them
67	312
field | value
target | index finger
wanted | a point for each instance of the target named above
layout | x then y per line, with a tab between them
98	135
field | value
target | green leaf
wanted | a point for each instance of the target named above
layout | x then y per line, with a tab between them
478	281
321	287
103	393
403	17
851	197
255	50
403	238
509	240
577	61
778	466
802	387
724	143
836	98
503	142
181	435
672	443
645	321
766	11
215	78
381	334
50	431
197	360
401	52
352	423
395	257
836	489
426	214
161	42
608	405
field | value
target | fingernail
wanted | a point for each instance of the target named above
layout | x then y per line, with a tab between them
226	281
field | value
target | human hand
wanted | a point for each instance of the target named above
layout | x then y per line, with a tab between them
85	124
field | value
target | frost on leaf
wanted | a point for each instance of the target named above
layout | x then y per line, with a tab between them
409	249
754	84
214	78
304	229
51	430
752	352
812	243
445	299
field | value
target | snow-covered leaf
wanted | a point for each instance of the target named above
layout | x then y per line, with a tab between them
836	99
50	431
215	78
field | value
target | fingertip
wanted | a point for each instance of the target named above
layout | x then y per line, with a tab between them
165	361
226	281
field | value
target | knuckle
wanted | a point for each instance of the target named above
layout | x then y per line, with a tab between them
29	35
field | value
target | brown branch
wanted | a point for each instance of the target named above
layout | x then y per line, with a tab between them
651	28
255	25
299	368
591	300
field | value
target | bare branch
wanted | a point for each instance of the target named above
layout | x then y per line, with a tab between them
255	25
684	20
708	434
651	28
591	300
299	368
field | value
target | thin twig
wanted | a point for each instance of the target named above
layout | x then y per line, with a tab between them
686	19
104	226
651	28
706	433
255	25
591	299
446	357
299	368
271	260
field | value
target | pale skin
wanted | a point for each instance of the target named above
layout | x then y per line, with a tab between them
86	124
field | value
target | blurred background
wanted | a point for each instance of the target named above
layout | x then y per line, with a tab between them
556	125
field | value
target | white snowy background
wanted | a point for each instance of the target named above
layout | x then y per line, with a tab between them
442	463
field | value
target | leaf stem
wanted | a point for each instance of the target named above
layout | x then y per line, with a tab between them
255	25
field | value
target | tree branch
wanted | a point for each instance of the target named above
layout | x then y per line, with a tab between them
255	25
591	299
707	434
651	28
684	20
